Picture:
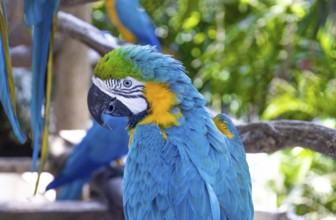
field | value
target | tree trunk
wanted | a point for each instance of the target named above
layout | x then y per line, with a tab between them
72	79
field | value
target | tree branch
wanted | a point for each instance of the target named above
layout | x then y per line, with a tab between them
86	33
275	135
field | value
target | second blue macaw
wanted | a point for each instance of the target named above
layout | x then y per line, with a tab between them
133	22
98	148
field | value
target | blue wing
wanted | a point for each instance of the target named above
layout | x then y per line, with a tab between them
195	170
137	21
39	14
237	198
7	90
221	163
98	148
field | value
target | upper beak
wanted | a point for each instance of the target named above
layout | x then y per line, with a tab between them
100	103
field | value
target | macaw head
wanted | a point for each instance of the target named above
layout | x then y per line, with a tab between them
140	83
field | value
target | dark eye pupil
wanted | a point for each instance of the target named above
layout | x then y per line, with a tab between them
127	83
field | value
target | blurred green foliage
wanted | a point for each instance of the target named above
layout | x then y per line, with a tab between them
306	184
268	59
248	56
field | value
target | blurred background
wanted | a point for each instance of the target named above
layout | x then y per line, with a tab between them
255	60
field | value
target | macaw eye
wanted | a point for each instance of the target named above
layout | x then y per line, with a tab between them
127	83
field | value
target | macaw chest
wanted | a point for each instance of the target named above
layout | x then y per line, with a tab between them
144	162
146	174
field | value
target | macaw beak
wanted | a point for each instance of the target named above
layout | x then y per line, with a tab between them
100	103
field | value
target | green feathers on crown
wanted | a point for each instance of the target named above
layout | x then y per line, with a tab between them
143	63
115	65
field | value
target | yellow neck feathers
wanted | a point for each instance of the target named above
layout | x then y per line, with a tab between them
161	100
131	134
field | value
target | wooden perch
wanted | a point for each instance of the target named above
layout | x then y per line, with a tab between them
86	33
275	135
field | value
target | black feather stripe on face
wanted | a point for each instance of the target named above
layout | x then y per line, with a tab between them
130	94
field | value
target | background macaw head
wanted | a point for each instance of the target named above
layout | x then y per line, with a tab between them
136	81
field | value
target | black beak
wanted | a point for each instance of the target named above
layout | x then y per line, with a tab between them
100	103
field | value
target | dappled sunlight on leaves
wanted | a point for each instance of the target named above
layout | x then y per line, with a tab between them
306	184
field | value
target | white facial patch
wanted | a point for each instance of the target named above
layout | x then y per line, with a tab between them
129	91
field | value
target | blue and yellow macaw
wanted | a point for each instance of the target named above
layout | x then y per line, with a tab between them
41	16
182	164
7	89
133	22
98	148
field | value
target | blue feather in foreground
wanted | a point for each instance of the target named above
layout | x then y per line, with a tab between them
182	164
133	22
99	148
40	14
7	90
